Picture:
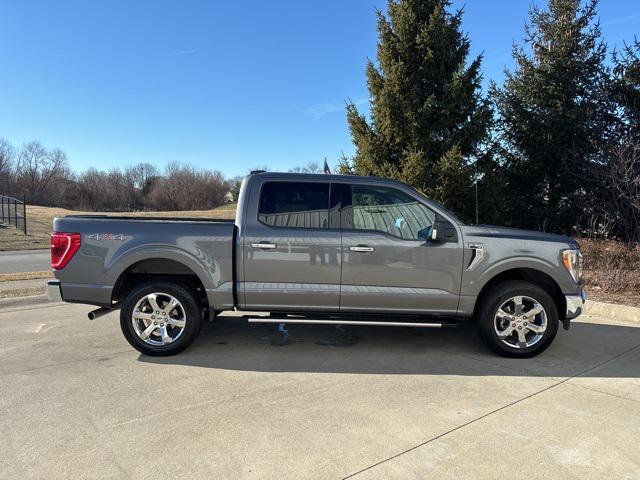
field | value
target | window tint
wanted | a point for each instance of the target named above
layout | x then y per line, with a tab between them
293	204
388	210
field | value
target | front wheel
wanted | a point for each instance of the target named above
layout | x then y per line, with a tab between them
160	318
517	319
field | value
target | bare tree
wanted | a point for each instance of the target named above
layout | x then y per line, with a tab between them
37	167
624	177
234	184
7	160
311	167
186	188
90	188
141	173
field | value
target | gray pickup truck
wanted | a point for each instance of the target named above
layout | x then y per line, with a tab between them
327	249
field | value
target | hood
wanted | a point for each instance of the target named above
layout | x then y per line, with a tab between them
489	231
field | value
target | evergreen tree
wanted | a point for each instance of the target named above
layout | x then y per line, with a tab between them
428	119
626	87
555	115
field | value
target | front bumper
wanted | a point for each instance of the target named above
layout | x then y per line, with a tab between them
53	291
575	304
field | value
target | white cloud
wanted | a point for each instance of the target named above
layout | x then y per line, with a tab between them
319	110
628	18
184	52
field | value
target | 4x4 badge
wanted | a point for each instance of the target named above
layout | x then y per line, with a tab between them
107	236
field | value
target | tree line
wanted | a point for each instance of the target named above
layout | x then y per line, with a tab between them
43	176
555	147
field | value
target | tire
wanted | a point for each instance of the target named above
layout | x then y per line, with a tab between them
170	328
513	334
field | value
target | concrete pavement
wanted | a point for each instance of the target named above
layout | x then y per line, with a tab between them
25	261
78	402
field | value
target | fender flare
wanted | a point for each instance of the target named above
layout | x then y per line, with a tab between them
116	268
513	263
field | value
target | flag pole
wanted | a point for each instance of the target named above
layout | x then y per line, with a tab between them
476	186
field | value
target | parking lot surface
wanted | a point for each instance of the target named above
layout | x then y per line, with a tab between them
78	402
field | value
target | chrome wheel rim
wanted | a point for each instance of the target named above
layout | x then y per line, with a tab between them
158	319
520	322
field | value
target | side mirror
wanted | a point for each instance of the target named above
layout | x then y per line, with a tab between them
443	231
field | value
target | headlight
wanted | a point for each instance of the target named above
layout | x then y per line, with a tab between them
572	260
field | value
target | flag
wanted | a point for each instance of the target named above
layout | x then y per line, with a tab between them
327	170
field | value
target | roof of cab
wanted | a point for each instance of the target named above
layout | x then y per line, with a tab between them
325	177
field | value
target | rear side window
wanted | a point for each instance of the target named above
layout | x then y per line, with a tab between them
294	205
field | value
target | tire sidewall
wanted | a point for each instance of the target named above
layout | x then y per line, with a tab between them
191	308
501	294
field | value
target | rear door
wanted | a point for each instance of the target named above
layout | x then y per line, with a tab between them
291	252
389	262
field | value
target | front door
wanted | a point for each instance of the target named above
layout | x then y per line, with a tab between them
389	262
291	253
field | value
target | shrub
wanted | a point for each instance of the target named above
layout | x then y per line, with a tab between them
611	267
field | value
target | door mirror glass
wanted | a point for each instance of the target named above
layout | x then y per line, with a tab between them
425	233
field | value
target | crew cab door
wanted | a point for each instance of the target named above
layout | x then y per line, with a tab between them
389	262
291	253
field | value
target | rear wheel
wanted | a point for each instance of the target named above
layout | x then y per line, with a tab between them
160	318
517	319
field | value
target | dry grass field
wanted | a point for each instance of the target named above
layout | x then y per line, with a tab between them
612	271
39	223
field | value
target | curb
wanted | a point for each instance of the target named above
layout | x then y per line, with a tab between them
14	284
622	313
30	300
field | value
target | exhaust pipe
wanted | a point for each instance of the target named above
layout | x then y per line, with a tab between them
99	312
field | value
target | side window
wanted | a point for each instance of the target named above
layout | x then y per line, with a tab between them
294	204
390	211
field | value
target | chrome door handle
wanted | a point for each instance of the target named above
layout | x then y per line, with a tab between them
361	248
264	245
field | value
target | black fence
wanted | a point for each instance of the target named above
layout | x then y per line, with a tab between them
14	212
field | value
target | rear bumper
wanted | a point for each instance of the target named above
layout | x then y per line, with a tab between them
53	291
575	304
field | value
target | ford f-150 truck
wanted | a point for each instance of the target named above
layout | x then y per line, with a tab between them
329	249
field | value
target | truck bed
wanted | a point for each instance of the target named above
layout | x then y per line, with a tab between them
152	218
113	246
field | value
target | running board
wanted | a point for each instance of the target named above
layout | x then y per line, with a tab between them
343	322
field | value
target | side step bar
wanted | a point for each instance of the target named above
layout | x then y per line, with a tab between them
343	322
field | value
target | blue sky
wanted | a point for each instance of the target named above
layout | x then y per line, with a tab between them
225	85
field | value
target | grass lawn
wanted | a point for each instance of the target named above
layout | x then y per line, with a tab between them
39	223
16	277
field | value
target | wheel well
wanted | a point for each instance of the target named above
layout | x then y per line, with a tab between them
533	276
158	269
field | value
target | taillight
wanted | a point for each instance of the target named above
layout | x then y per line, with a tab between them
63	248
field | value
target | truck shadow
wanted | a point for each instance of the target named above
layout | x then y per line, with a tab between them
588	349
